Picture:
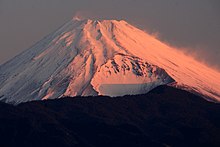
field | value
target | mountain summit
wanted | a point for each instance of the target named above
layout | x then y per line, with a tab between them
108	57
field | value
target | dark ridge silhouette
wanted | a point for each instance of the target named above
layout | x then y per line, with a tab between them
164	117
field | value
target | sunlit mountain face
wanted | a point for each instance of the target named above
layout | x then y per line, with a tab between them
105	57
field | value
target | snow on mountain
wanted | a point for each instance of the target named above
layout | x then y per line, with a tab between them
109	57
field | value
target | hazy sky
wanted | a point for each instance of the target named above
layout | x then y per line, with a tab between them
192	24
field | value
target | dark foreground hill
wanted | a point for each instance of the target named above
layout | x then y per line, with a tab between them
164	117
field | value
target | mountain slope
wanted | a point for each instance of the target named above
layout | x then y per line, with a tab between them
109	57
165	116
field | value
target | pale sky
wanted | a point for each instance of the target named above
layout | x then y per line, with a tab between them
191	24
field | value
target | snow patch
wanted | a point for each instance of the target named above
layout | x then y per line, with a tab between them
127	75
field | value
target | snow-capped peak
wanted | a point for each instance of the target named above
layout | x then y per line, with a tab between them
105	57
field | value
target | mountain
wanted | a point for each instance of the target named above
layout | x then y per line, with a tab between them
164	117
106	57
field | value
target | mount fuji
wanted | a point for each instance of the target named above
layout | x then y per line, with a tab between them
102	57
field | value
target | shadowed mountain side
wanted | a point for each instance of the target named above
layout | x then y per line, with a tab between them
164	117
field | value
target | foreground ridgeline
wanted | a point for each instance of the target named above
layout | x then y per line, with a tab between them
164	117
106	57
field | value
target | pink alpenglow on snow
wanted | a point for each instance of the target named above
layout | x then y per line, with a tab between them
109	57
